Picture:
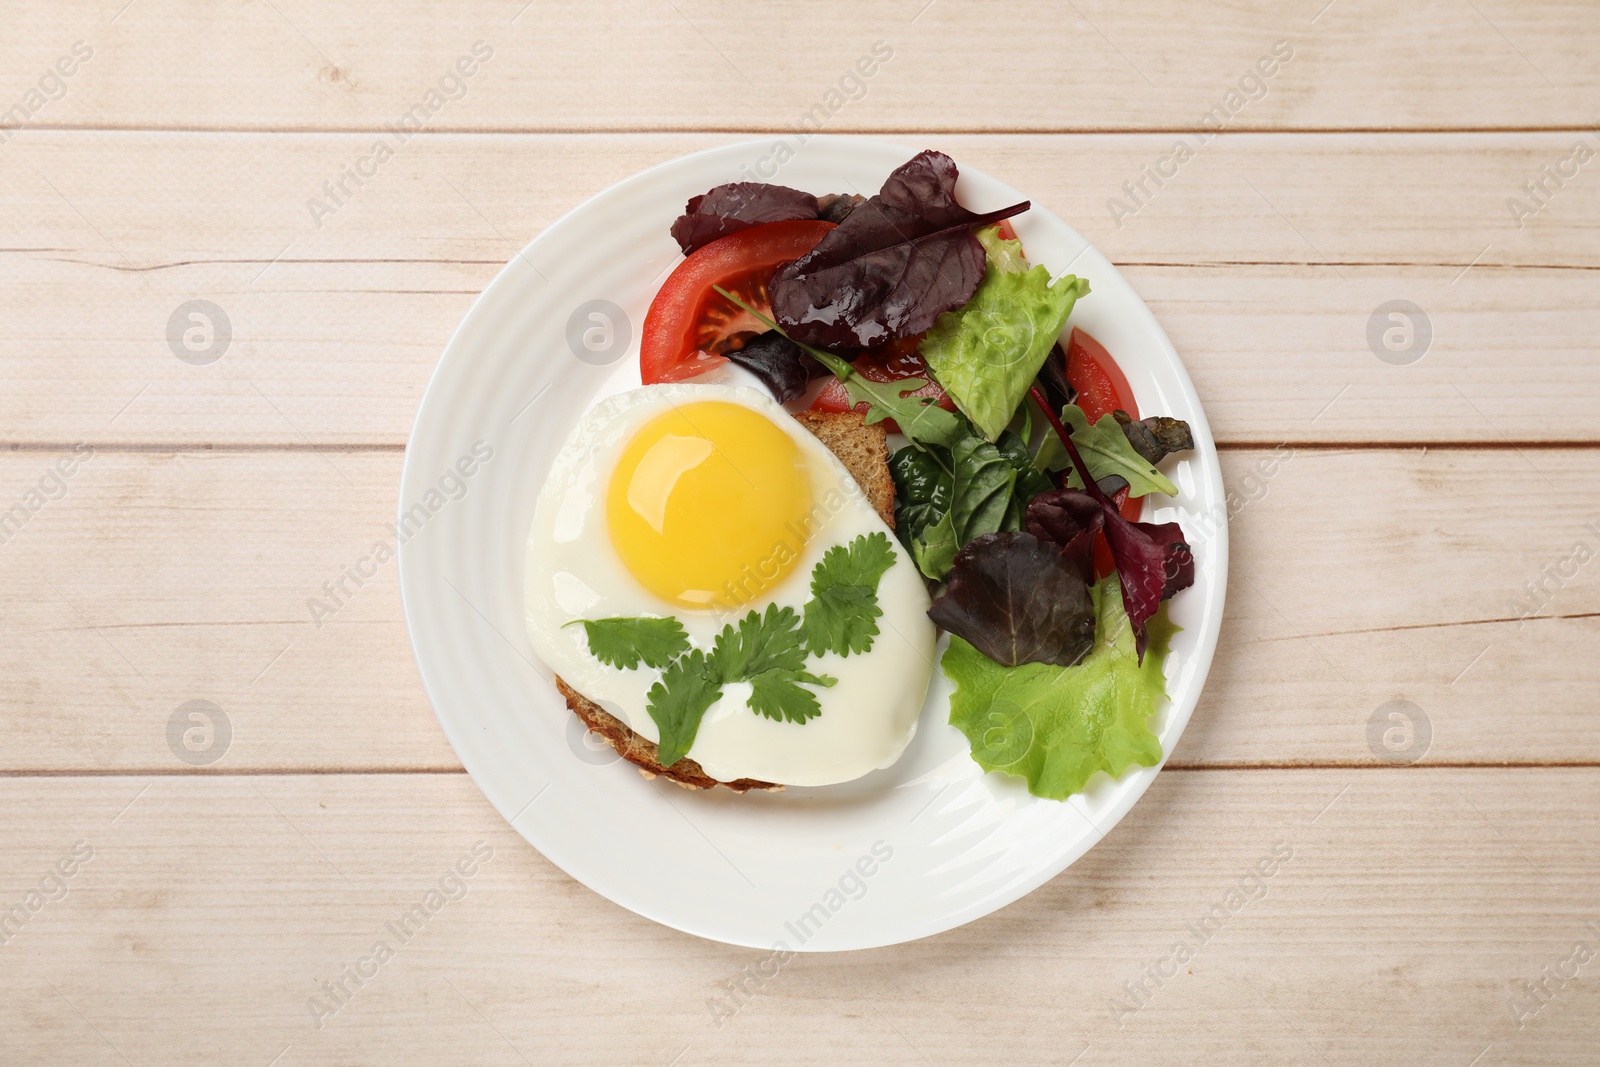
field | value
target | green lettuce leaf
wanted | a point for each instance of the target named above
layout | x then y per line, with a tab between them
1056	726
1106	449
1004	255
988	353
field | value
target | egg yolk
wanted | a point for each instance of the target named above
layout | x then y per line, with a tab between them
709	505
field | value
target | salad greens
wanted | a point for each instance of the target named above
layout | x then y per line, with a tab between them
987	354
1107	451
891	267
1017	599
1010	509
1056	726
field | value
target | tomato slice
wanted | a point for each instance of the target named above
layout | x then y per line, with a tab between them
892	362
1102	387
689	328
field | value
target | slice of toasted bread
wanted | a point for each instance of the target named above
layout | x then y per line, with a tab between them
864	451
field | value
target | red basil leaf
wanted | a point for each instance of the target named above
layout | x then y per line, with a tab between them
738	206
1069	518
891	267
1016	599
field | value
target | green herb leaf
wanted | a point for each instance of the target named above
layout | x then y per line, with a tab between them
841	615
679	700
1056	726
778	695
624	642
761	643
1105	448
989	352
1030	481
922	421
951	496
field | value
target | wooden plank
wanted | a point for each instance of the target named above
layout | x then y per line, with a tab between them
1414	902
1265	260
695	64
1357	578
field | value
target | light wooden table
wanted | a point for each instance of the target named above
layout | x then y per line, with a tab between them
1392	513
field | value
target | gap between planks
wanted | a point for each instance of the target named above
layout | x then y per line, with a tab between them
358	772
770	131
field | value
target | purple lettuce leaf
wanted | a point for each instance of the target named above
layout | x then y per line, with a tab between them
1017	600
738	206
891	267
780	364
1069	518
1153	560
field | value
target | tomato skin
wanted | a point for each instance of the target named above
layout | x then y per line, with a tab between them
669	347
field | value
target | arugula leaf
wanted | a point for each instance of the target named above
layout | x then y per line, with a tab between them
921	420
842	612
679	700
987	354
624	642
778	695
761	643
1056	726
1106	450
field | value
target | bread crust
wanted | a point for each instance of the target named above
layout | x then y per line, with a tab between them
864	451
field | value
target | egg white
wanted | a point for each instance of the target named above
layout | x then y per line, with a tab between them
574	572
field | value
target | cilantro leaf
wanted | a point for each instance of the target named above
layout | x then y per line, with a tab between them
679	700
840	616
1056	726
778	695
624	642
761	643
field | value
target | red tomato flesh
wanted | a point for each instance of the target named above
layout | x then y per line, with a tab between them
689	328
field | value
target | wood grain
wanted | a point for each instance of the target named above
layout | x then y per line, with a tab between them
1387	522
1264	260
212	909
697	64
1359	577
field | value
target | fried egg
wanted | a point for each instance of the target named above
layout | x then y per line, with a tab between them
703	503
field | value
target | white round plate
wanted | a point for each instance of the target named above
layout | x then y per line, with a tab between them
920	847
